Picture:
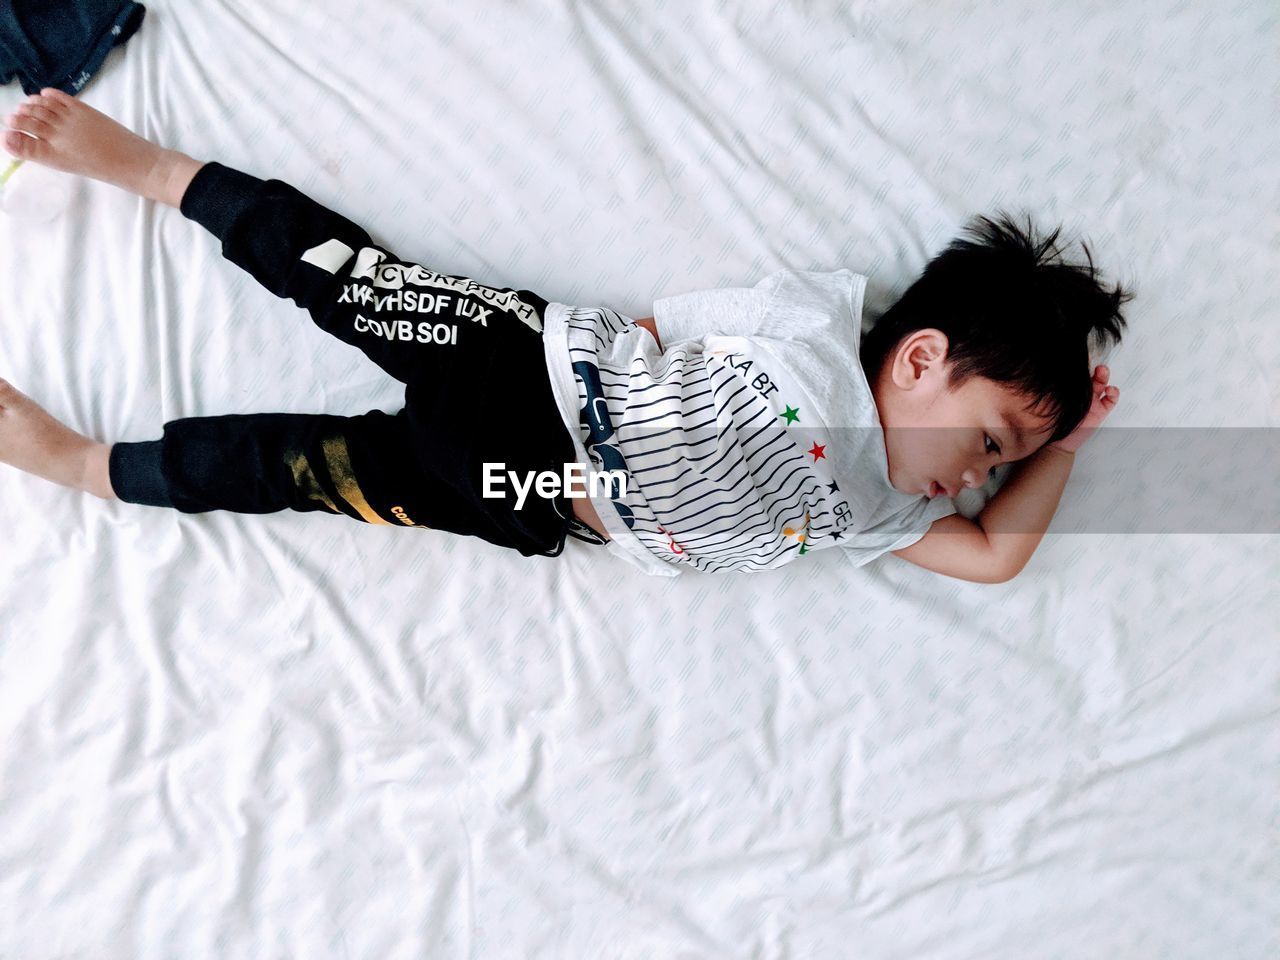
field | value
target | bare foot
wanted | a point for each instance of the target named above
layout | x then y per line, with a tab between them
33	441
57	130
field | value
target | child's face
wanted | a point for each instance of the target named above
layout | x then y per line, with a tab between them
948	436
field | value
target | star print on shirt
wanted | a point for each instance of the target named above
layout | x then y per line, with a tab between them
799	534
832	486
816	451
792	414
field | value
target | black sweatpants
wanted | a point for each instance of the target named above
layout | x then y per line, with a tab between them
470	356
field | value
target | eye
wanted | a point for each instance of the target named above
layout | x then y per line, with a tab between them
987	439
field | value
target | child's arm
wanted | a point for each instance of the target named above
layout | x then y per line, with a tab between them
957	547
998	546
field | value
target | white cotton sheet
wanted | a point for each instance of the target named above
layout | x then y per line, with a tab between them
301	736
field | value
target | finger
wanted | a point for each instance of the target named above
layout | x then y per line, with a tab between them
1102	373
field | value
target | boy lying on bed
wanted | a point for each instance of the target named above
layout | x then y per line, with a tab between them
762	432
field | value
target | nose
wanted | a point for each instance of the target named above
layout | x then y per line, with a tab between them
974	477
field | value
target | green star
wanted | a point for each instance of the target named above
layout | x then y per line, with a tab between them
792	414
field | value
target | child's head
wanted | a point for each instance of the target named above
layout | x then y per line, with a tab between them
993	337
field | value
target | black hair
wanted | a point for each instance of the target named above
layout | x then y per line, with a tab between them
1014	312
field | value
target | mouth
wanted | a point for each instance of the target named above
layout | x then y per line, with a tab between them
936	489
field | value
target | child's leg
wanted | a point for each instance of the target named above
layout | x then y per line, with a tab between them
32	440
412	321
365	467
463	348
408	319
249	463
362	466
58	131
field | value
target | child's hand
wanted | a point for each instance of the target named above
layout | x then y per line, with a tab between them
1105	399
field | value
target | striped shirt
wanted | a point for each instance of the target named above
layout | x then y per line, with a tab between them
750	441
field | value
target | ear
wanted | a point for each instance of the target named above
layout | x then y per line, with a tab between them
918	353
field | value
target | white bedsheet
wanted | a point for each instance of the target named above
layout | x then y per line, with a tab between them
300	736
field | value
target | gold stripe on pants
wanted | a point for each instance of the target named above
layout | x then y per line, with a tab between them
305	480
344	479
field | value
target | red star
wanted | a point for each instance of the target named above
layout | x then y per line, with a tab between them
817	452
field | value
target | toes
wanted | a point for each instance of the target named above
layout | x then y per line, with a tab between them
48	103
20	144
57	96
36	110
30	124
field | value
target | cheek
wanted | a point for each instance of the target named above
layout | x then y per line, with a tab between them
938	455
914	461
931	447
898	455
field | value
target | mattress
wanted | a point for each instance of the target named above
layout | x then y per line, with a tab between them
294	735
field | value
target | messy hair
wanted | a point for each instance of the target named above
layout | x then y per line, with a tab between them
1014	311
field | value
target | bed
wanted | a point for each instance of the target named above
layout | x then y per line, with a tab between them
294	735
